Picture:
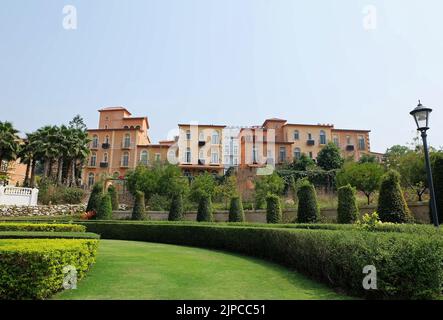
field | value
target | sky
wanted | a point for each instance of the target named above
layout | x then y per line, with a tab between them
233	62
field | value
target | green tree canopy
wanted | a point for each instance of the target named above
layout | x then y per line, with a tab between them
329	158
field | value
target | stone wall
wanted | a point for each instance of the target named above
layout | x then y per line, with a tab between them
420	212
41	210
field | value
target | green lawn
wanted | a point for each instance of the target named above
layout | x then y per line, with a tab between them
140	270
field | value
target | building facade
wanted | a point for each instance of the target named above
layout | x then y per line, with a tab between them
13	172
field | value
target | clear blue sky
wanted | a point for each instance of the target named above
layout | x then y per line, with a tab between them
225	61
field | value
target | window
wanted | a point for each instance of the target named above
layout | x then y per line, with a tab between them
157	157
106	126
361	143
297	153
93	161
144	157
91	179
235	150
215	137
127	141
188	134
107	139
336	141
282	154
235	161
201	137
188	155
254	154
226	150
322	137
348	140
95	141
105	157
309	136
296	135
125	159
214	156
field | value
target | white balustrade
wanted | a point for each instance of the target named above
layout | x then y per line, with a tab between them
18	196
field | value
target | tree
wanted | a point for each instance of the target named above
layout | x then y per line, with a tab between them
104	210
139	212
226	189
347	210
203	185
393	155
114	197
304	163
392	206
308	209
273	209
94	197
365	177
204	212
9	142
265	185
176	209
329	158
411	167
236	213
367	158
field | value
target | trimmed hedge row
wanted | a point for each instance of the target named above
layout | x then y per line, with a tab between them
408	265
43	227
33	269
47	235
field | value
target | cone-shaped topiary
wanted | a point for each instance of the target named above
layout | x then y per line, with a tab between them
114	197
176	208
308	210
236	213
347	210
104	210
138	212
94	197
273	209
392	206
204	212
437	174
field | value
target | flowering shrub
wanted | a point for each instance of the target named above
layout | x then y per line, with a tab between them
369	222
88	215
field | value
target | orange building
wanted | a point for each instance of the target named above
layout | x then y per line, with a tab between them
120	143
14	171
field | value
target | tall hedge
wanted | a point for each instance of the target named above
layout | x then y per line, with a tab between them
392	206
176	209
273	209
204	212
104	209
114	197
347	210
308	209
437	173
94	197
139	211
236	213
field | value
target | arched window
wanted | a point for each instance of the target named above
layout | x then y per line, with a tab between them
95	141
215	137
107	139
125	159
127	141
144	157
91	179
297	153
322	137
93	160
105	157
296	135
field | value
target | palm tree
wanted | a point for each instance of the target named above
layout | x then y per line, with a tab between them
26	157
9	142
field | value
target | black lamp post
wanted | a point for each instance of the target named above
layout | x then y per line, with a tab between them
421	117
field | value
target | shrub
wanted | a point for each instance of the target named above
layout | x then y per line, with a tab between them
50	193
236	213
73	195
204	212
46	235
176	208
46	227
273	209
114	197
33	269
104	210
392	206
94	197
347	210
369	222
335	257
308	209
267	184
139	211
158	203
438	186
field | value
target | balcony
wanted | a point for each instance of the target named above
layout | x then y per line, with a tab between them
201	143
201	162
350	147
103	164
126	145
106	145
93	146
310	142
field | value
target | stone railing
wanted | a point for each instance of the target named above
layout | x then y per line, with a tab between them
40	210
18	196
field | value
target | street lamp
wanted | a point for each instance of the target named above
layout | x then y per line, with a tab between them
421	117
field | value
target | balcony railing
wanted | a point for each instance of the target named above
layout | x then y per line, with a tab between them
201	143
126	145
93	146
310	142
350	147
103	164
106	145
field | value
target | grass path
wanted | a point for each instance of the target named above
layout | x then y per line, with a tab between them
140	270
